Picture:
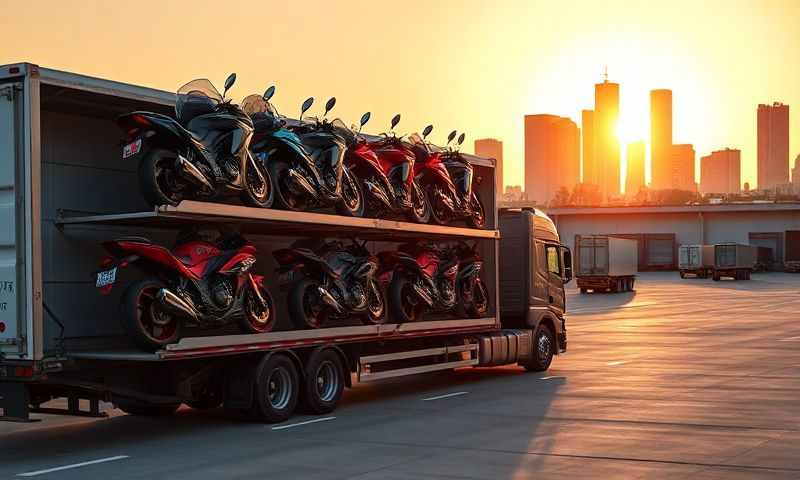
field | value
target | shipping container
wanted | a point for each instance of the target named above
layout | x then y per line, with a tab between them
695	260
734	260
606	263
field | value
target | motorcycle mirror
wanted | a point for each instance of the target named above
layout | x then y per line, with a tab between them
451	137
269	93
427	131
329	105
365	118
306	105
229	83
461	139
395	121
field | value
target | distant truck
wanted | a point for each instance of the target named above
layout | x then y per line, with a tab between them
697	260
734	260
606	264
791	251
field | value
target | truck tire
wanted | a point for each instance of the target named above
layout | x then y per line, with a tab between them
683	274
276	389
324	382
132	407
715	276
544	346
584	290
150	327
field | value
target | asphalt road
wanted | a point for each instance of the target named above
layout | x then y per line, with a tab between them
681	379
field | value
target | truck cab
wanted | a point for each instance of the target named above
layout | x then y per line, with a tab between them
534	268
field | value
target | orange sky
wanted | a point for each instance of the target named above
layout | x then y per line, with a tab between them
477	66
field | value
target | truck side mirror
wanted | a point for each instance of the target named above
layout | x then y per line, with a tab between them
566	261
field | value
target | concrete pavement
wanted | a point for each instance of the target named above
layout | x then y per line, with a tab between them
683	378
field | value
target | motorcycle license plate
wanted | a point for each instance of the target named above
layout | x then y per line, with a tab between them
131	149
106	278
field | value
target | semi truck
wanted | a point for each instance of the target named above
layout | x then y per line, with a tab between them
606	263
64	190
697	260
733	260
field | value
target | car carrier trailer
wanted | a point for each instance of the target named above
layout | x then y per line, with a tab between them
64	189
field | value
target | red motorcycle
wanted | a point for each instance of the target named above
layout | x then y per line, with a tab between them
447	179
386	170
198	283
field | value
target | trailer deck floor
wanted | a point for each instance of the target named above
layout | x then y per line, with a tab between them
680	379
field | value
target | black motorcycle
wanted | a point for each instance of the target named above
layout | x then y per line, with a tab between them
202	155
335	282
472	293
306	161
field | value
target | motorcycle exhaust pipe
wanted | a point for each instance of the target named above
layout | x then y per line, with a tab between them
328	299
175	304
300	182
192	173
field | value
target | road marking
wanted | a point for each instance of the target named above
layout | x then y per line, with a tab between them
74	465
790	339
291	425
444	396
551	377
618	362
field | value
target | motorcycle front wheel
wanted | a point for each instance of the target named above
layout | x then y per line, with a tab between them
146	322
352	202
305	305
284	197
478	217
159	182
257	191
473	299
376	304
440	214
257	318
404	303
420	207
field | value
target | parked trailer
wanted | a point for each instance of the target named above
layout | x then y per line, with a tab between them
733	260
606	264
791	251
65	190
697	260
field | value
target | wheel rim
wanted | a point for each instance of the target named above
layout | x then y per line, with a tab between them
352	199
438	208
260	317
480	298
327	380
279	388
375	302
154	321
418	199
167	181
544	348
258	185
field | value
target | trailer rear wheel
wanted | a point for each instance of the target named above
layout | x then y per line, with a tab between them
277	388
544	346
324	382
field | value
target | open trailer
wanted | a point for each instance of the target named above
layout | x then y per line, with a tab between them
64	189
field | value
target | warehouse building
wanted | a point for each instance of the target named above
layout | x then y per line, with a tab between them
661	229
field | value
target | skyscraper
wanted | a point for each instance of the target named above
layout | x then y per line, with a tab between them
606	144
661	139
773	145
634	176
587	144
552	156
720	172
491	148
796	172
682	168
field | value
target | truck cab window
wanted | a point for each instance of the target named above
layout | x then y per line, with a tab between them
553	262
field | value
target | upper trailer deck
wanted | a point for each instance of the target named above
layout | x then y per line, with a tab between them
261	221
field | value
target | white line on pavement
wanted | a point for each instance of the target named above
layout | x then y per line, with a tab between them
551	377
316	420
74	465
618	362
790	339
444	396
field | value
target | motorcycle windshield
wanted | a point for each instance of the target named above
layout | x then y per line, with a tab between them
196	97
342	131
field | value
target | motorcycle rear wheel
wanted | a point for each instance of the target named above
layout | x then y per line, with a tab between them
404	304
284	198
159	182
257	192
255	318
305	307
149	325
